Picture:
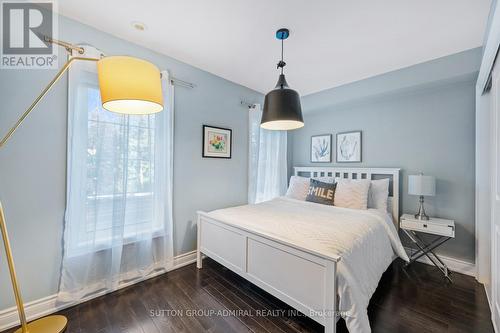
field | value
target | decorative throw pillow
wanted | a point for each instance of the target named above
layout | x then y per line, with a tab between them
298	188
329	180
352	193
378	194
320	192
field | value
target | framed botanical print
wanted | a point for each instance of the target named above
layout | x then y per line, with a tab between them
349	147
217	142
321	148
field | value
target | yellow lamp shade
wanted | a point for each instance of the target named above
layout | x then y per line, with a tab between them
129	85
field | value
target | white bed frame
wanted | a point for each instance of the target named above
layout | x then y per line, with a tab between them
303	279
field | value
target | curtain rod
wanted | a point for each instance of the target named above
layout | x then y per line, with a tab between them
182	83
247	104
179	82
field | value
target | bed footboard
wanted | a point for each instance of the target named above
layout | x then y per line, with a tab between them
306	281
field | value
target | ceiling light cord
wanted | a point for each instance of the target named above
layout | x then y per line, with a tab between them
281	63
282	44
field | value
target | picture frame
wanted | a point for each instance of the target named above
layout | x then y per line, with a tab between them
321	148
349	147
217	142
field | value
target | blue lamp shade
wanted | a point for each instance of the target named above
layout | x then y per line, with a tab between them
421	185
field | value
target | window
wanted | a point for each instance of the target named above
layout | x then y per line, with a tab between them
118	221
120	172
267	155
117	172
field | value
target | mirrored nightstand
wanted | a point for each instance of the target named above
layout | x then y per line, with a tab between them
443	229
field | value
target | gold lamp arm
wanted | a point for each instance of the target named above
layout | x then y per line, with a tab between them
56	323
12	271
42	94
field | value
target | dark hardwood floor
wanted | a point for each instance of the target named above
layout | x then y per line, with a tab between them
417	299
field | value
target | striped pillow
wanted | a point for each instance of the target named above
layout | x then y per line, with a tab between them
298	188
352	193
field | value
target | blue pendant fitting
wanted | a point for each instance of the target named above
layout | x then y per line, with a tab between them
282	33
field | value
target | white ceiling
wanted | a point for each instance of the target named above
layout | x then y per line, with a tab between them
332	42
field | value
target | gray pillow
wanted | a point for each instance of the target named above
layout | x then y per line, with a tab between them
320	192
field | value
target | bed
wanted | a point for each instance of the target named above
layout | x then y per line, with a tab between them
322	260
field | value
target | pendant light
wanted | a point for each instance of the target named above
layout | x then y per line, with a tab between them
282	110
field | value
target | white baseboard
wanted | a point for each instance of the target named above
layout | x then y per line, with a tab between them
48	305
455	265
491	309
34	310
184	259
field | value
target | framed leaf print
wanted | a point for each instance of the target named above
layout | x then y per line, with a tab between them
321	148
349	147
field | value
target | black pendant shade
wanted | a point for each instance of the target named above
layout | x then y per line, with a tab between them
282	110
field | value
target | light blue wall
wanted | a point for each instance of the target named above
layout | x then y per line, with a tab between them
33	164
420	119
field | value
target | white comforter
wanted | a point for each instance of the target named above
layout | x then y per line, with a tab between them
366	241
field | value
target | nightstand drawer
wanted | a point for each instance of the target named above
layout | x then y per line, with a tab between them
428	227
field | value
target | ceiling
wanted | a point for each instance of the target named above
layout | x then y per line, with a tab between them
332	42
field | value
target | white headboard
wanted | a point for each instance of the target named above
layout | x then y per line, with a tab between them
360	173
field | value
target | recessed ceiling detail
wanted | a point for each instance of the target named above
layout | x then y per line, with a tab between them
334	41
138	25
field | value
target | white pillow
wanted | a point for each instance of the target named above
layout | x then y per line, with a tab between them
352	193
378	194
298	188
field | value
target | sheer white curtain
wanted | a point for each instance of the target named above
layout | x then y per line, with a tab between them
267	169
118	221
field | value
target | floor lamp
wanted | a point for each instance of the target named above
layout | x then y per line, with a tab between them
128	86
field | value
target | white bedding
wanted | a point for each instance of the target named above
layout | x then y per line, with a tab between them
366	241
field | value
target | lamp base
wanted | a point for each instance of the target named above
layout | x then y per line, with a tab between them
50	324
422	217
421	211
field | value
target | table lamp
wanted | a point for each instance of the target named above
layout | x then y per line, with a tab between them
423	186
129	86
